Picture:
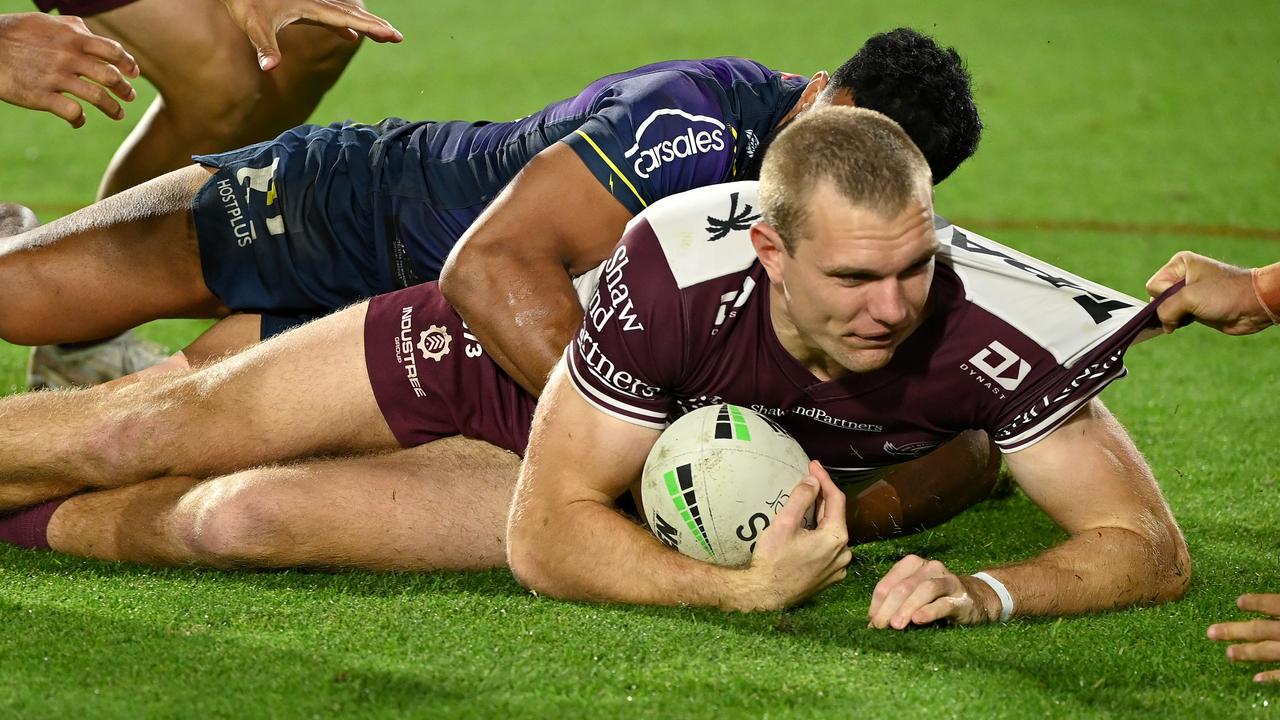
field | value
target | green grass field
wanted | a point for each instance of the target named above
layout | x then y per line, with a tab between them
1135	117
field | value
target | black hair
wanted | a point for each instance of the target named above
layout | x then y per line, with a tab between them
926	89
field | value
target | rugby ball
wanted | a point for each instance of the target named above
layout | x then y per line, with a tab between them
715	479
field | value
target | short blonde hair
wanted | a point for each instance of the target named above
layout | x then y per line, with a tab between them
866	157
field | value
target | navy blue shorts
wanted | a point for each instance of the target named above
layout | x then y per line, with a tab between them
291	228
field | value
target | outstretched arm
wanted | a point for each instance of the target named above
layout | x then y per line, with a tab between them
509	276
45	58
566	540
262	20
1124	546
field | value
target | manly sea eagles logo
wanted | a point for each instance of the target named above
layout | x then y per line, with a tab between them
434	342
737	220
910	449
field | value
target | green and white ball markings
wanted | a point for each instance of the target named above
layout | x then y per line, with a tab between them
715	479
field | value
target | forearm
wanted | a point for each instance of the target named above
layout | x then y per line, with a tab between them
522	314
592	553
1099	569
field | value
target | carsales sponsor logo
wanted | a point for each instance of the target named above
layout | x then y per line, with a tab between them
670	134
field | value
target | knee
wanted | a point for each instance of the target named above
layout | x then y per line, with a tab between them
229	522
318	55
117	446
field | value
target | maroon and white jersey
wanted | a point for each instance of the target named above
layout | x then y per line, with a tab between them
680	319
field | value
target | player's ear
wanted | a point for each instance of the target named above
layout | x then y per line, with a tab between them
769	248
814	89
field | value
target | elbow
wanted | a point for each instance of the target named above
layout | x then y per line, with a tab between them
1173	561
1178	578
463	276
527	558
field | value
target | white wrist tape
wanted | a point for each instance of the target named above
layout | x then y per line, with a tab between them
1006	600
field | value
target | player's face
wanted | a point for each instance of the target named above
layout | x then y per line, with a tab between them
857	284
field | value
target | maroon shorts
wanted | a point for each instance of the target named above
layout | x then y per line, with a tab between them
432	379
83	8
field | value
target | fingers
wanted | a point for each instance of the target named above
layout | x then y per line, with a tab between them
96	95
1268	676
338	14
262	36
108	76
1172	311
833	502
1268	603
114	55
1172	272
62	106
882	606
1268	651
803	496
1247	630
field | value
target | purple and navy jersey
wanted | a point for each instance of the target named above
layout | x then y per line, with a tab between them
645	134
680	319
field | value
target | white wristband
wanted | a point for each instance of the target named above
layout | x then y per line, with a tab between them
1006	600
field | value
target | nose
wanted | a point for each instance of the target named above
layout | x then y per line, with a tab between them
887	304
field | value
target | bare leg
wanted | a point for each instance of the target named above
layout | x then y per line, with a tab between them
213	97
926	492
304	394
437	506
231	334
108	267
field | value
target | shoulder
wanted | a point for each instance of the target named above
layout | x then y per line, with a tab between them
703	233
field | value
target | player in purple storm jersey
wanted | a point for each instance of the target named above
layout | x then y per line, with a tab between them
321	217
869	334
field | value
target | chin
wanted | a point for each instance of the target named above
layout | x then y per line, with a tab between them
861	361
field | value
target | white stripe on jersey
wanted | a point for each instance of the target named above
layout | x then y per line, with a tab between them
591	395
684	231
1050	316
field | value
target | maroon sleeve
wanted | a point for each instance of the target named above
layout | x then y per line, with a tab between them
629	351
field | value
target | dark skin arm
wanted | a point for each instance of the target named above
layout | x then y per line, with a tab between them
509	275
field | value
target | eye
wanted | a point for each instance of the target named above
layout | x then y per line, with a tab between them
849	281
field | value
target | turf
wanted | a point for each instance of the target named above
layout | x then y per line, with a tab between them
1139	115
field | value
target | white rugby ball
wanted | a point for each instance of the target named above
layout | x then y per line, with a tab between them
715	479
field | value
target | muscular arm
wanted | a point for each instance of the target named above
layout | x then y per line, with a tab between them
509	276
1124	546
566	540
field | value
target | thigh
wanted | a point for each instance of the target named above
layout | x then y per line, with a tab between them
437	506
115	264
302	394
